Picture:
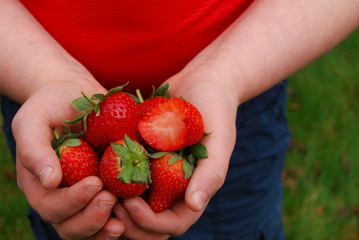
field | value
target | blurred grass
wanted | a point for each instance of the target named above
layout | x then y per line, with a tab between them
321	176
13	206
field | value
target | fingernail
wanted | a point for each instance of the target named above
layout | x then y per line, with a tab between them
45	174
199	199
105	205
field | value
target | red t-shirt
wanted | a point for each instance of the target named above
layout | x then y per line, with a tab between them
140	41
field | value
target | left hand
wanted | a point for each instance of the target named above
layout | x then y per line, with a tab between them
218	105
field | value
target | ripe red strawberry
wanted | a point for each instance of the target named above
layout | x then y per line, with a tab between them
158	96
115	115
172	125
147	105
118	116
170	176
77	158
124	168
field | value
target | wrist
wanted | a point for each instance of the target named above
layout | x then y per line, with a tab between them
216	67
55	74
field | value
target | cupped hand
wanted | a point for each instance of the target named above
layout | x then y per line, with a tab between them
217	101
81	211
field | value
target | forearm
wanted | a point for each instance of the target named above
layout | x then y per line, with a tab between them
29	56
274	39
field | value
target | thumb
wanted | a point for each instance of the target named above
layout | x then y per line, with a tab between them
209	175
33	148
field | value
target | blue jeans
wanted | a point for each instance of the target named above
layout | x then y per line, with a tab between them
249	205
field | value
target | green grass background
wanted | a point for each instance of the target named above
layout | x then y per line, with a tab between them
322	174
321	178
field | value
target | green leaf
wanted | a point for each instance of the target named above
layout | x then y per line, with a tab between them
57	151
76	135
129	143
138	175
97	110
207	134
121	151
89	99
157	154
77	119
57	141
99	96
148	174
66	129
188	169
81	104
72	142
65	139
192	160
136	147
137	100
162	90
174	158
125	174
199	151
116	89
134	161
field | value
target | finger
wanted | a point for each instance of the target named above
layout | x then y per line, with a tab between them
57	204
133	231
90	220
112	230
33	143
174	221
208	177
210	173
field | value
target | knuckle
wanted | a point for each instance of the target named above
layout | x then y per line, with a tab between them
93	226
47	217
217	177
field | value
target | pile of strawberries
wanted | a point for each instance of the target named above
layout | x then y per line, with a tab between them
137	147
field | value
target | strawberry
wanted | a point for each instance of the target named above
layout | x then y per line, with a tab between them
172	125
124	168
115	115
171	174
158	96
147	105
77	158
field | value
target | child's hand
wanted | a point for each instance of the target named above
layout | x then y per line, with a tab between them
80	211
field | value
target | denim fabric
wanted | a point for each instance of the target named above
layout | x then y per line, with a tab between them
249	205
41	229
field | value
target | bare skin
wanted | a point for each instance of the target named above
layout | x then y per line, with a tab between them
272	40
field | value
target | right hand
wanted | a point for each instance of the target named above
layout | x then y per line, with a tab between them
81	211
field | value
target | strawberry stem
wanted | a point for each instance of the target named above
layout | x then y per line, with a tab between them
89	99
135	162
139	95
56	135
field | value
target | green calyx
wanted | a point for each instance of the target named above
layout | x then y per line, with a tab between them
86	105
190	156
68	139
134	161
161	91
